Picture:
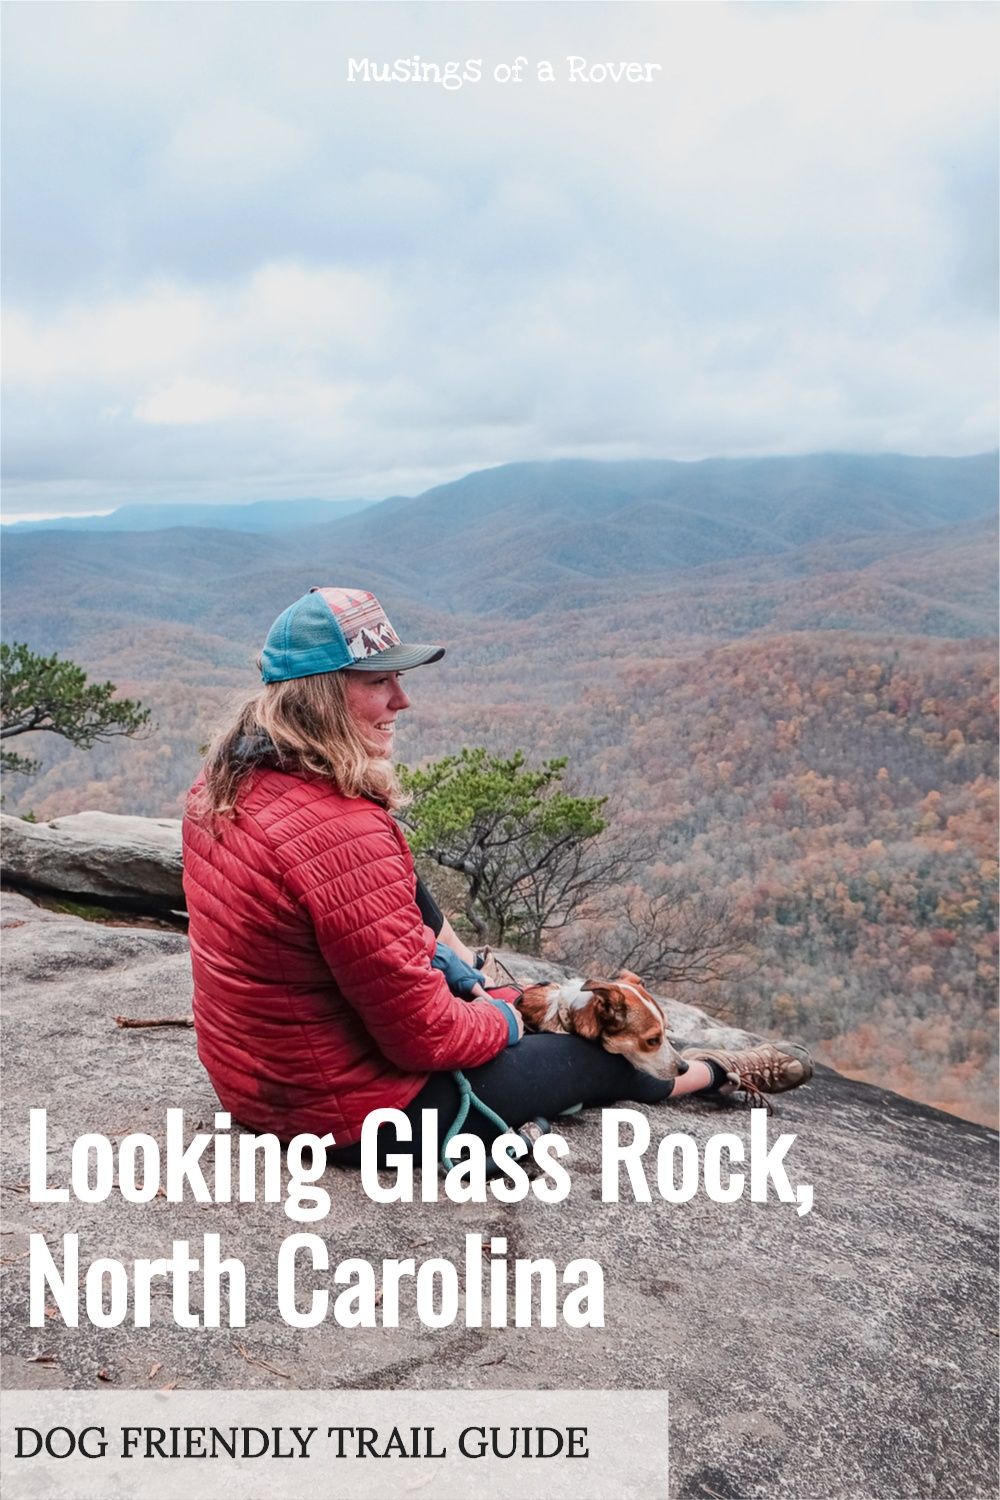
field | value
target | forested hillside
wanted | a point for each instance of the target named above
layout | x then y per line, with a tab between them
801	724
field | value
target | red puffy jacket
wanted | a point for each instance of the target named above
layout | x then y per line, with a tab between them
314	996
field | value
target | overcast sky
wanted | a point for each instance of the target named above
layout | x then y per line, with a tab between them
230	274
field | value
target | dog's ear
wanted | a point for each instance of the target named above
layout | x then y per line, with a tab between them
613	1013
610	1010
630	978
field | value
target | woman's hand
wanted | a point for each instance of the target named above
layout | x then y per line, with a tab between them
461	977
519	1019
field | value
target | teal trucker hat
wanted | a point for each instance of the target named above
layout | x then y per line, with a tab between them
329	630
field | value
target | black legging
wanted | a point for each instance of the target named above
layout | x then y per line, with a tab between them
542	1075
430	911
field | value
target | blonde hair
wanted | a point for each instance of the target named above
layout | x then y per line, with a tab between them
305	725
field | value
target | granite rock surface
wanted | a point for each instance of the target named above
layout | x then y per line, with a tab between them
845	1354
97	854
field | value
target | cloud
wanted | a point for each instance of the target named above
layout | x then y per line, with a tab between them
231	273
164	330
228	148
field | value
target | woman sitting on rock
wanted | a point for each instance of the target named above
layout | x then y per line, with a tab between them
323	972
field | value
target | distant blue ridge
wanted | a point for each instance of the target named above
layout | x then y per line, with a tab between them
260	515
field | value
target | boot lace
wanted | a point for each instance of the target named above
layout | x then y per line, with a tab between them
754	1071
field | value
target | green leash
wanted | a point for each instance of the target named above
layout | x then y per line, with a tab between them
466	1101
466	1096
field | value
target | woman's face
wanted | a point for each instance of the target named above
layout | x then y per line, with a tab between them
373	700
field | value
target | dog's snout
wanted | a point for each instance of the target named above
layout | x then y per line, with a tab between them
682	1066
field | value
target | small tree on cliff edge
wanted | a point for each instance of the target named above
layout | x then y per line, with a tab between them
524	846
46	693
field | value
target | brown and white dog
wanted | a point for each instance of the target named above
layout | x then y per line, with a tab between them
619	1013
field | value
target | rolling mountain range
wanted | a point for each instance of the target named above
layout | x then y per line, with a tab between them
786	494
780	543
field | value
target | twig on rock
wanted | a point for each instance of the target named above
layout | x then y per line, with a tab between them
132	1022
252	1359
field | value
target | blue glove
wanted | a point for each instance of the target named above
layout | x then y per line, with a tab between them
462	979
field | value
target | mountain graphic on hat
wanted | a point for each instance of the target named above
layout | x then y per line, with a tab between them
332	630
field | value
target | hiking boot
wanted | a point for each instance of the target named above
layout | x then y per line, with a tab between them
533	1130
530	1132
771	1068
